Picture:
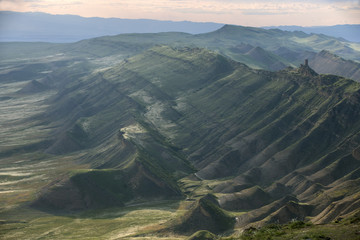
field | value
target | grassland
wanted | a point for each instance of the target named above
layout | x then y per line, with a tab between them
115	223
298	230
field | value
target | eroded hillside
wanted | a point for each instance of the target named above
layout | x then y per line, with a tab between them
227	143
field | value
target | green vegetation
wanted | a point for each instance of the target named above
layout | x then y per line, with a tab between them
99	139
224	221
202	235
99	224
267	232
299	230
103	187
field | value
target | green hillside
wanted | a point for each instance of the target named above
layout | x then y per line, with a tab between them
181	138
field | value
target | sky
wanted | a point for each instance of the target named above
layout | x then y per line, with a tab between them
240	12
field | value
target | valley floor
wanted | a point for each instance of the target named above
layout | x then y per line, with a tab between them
117	223
143	221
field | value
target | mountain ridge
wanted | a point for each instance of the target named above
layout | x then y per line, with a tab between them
252	152
279	48
345	31
227	142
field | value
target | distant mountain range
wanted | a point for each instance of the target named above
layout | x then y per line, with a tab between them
43	27
258	48
350	32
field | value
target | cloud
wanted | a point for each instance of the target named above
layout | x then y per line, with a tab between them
260	12
12	5
201	6
36	5
226	11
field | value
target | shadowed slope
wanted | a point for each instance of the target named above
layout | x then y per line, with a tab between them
204	214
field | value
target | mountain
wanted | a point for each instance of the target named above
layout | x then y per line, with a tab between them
172	140
43	27
257	48
225	41
349	32
269	60
326	62
273	39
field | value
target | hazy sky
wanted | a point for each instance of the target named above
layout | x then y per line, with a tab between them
240	12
